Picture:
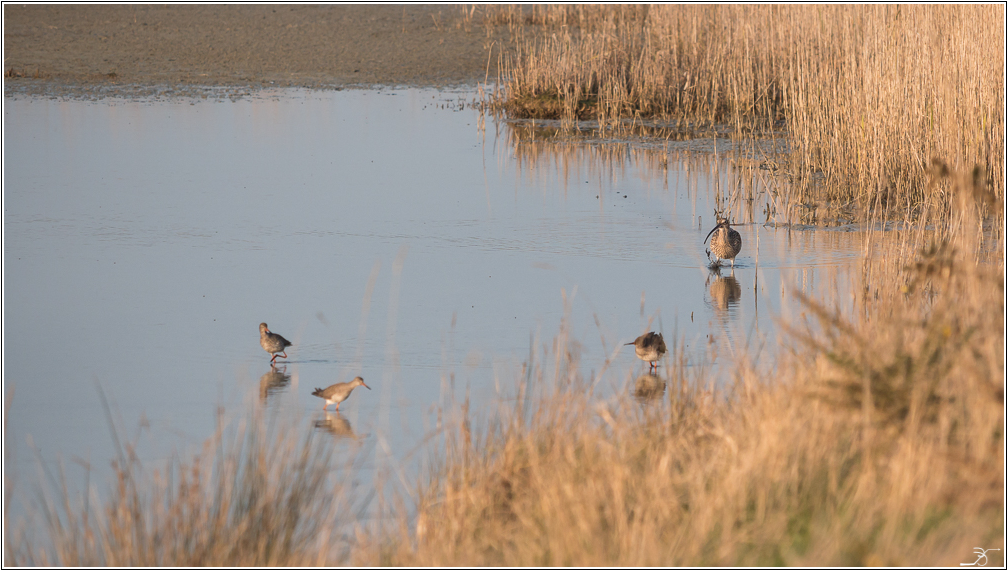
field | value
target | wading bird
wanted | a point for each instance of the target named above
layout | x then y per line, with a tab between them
339	392
273	343
726	242
649	347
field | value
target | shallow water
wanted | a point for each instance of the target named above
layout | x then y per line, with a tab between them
395	235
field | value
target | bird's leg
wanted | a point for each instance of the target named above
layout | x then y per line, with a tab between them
273	360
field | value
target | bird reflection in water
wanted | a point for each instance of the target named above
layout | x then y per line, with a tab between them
725	291
273	382
335	424
648	387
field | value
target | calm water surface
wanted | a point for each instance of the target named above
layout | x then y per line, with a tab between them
393	235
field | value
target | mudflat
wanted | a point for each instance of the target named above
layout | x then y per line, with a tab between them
111	47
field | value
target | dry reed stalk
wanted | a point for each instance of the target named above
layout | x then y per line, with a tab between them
247	498
875	440
868	94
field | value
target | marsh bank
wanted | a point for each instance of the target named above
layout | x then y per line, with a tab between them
68	49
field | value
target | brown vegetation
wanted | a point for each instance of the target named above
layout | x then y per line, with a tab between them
868	95
249	498
876	440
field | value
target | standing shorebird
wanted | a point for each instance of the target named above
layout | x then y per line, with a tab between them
726	243
273	343
339	392
649	347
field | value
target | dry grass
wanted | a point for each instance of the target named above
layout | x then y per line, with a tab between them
876	439
873	439
252	497
868	94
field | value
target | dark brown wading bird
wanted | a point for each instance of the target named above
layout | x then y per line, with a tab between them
339	392
649	347
273	343
726	242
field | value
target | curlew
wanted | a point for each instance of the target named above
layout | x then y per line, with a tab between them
725	242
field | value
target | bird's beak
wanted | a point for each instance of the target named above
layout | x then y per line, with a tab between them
711	232
365	386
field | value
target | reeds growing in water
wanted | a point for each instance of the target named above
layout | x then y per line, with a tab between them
872	439
867	95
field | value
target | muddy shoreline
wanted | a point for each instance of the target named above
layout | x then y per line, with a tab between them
99	50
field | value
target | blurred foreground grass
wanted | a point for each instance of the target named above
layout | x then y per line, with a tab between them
875	438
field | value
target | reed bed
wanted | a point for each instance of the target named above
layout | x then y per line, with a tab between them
868	95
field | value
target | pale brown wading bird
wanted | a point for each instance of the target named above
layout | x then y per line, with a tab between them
273	343
339	392
649	347
726	242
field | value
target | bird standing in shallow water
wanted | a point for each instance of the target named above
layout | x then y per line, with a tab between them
273	343
726	242
339	392
649	347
